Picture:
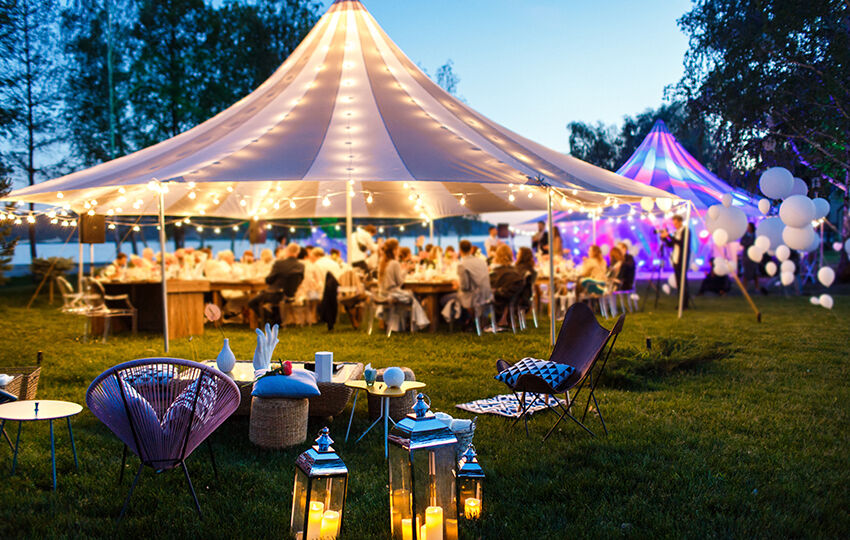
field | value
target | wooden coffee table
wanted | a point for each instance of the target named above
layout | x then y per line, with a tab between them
385	392
40	409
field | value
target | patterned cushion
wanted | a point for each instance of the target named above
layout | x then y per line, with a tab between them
551	372
184	402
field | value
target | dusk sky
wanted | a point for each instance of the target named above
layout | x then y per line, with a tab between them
535	65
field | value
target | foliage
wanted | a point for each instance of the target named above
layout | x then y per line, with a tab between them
772	78
596	144
753	445
7	242
51	267
447	79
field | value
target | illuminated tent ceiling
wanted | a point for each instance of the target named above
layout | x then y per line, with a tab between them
347	107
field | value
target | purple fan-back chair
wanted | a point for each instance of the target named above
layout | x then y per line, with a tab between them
162	409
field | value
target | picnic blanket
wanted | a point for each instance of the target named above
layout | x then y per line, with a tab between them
508	404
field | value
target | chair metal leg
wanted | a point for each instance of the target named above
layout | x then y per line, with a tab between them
493	318
191	488
350	418
130	493
478	325
123	464
534	317
512	317
212	459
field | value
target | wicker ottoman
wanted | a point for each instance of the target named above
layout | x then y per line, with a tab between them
400	406
278	422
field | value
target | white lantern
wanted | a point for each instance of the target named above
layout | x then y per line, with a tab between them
797	211
776	182
798	238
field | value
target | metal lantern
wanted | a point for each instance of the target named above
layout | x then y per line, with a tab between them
470	480
422	467
318	499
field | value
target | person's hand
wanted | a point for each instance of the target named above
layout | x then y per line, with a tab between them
663	233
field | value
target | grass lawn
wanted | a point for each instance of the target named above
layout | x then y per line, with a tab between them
727	428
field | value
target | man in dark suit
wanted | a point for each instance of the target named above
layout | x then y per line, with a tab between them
283	280
681	252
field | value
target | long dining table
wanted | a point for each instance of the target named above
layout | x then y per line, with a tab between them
429	293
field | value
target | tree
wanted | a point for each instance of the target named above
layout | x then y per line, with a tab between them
28	88
7	243
595	144
447	79
772	79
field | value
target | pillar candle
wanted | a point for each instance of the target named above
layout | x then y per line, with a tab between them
472	508
407	529
434	523
314	520
330	524
401	502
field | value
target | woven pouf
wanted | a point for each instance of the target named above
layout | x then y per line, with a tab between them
278	422
400	406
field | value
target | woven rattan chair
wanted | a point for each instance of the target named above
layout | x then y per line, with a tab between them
581	343
162	409
6	397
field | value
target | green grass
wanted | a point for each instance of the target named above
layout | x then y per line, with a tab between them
727	428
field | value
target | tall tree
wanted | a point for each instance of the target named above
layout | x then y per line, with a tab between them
447	79
7	241
28	88
597	144
772	77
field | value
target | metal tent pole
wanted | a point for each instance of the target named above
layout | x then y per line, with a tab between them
686	250
551	270
594	227
91	260
431	231
161	200
80	259
349	227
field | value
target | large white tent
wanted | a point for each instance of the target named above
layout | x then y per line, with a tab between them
347	126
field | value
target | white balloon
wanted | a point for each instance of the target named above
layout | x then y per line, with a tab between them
814	245
764	206
634	296
713	211
671	280
826	276
665	288
770	268
772	228
664	204
836	246
694	267
605	249
800	187
762	242
797	211
634	250
721	266
847	246
647	204
787	266
782	253
627	242
815	300
825	301
726	200
755	254
720	237
732	219
798	238
776	182
787	278
821	207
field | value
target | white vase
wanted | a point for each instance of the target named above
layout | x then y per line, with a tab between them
225	360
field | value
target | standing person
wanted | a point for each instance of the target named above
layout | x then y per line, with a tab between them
283	280
750	267
492	242
627	268
362	246
681	253
540	240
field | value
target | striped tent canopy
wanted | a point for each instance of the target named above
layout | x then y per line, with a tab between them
346	113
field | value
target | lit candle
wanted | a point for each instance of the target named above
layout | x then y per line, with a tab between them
407	529
472	508
330	524
314	520
401	500
433	523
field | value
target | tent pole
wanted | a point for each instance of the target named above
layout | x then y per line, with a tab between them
686	250
594	227
80	270
162	266
431	231
551	270
349	227
91	260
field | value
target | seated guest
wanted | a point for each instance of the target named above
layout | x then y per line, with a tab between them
491	242
504	280
615	264
263	266
450	260
137	270
627	268
593	271
324	264
247	257
283	280
473	281
115	270
314	279
524	261
336	256
719	285
405	258
390	284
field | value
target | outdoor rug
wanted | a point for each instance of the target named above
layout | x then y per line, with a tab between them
508	404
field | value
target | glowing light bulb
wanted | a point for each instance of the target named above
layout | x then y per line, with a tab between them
326	201
292	229
243	202
230	189
59	195
192	195
199	228
463	200
111	227
313	230
381	230
401	227
90	212
121	190
136	228
216	201
405	185
369	199
178	224
511	197
217	230
236	227
191	185
292	204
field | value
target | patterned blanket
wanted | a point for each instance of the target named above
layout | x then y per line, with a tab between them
508	404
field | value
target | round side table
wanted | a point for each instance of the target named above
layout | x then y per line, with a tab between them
385	392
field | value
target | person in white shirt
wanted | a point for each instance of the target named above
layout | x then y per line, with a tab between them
681	253
324	264
362	246
492	242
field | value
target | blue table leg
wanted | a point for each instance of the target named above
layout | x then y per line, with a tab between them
73	446
350	418
17	442
53	455
386	411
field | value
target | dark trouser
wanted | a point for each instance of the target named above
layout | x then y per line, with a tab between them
361	265
265	297
677	268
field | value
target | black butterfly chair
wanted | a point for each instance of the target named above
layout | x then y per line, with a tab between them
581	343
6	397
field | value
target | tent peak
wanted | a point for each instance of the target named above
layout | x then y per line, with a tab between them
660	126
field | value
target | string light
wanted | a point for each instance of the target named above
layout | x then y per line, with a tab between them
217	230
463	200
236	227
292	204
326	201
369	199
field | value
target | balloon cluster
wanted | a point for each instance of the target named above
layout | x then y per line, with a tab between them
793	228
726	223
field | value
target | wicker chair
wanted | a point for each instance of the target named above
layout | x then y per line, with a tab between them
101	305
162	409
6	397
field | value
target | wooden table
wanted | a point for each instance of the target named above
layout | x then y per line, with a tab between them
429	293
246	285
185	304
40	409
385	392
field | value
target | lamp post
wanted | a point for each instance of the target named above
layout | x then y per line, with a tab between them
422	468
318	498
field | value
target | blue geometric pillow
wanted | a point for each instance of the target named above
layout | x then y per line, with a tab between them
551	372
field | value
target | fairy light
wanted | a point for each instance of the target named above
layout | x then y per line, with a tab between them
230	189
136	228
192	195
369	199
243	203
511	197
381	230
463	200
292	229
217	230
313	230
199	228
59	195
191	185
111	227
268	226
401	228
292	204
236	227
326	201
178	224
